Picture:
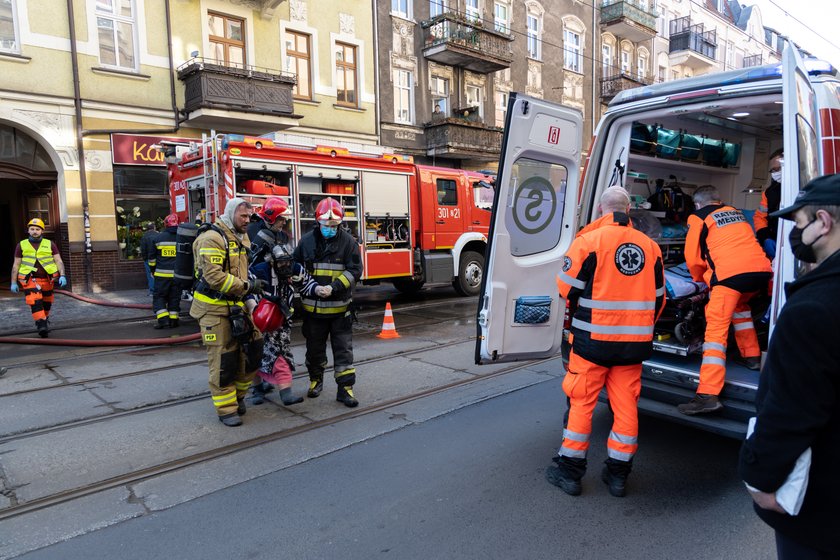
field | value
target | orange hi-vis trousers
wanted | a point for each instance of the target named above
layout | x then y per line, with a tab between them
39	295
584	380
726	306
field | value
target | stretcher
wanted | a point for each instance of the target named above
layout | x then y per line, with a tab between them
681	327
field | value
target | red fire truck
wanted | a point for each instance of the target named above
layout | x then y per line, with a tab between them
416	225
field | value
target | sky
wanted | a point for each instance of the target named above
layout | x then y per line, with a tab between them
821	16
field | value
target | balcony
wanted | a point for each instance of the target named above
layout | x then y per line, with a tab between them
248	100
691	45
463	137
452	40
628	20
613	85
754	60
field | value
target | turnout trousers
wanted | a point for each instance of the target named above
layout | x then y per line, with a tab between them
317	329
39	297
231	365
726	306
167	300
583	381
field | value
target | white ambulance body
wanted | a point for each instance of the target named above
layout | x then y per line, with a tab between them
738	118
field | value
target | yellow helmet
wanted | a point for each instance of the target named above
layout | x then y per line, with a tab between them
36	222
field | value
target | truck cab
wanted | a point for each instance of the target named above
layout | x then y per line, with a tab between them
660	142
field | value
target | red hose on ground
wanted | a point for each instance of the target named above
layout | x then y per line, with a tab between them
104	302
75	342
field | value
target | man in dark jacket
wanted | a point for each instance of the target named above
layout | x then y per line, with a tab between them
149	253
798	399
167	298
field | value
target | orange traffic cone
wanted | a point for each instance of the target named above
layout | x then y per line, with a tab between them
389	330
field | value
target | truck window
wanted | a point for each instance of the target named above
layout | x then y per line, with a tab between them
447	192
535	215
483	197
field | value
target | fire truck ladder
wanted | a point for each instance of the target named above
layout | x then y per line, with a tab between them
210	170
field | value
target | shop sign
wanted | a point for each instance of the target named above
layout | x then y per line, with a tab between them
131	149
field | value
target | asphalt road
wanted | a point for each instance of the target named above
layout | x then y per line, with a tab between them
468	484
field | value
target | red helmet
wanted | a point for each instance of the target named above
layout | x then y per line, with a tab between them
329	212
171	220
267	316
275	207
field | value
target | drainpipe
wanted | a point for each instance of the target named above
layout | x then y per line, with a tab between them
596	54
376	108
77	102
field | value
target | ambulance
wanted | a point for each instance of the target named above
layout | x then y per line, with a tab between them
660	142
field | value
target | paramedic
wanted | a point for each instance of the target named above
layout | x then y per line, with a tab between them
721	250
798	400
234	346
765	225
613	278
331	255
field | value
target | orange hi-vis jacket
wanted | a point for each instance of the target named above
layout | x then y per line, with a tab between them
720	246
614	279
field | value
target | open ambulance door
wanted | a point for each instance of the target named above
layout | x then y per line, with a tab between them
802	160
533	223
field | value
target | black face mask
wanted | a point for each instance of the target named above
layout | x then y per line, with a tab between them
803	252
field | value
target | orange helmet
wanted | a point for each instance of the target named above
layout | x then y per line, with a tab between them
171	220
275	207
267	316
329	212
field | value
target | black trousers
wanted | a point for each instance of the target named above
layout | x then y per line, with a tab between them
166	302
339	330
789	549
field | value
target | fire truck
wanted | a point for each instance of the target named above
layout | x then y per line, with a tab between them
416	225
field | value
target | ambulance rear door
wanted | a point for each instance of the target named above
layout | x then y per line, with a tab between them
520	314
802	160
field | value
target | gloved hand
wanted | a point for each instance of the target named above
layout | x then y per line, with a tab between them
62	281
257	286
15	288
323	291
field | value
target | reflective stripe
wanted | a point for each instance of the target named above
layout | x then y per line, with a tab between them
161	313
349	371
228	283
266	236
714	346
576	453
742	315
211	251
226	399
575	436
324	310
213	301
328	266
714	360
660	291
332	274
762	209
743	326
605	329
573	282
243	385
619	455
164	273
626	440
30	256
617	305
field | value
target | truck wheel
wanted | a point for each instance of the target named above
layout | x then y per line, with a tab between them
470	271
408	285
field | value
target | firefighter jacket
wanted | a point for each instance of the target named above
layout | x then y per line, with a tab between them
222	268
336	262
165	249
765	226
30	257
720	248
613	277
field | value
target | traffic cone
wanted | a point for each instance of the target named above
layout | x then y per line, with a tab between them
389	330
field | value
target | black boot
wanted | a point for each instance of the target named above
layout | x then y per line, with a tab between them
43	329
259	391
231	420
345	395
566	474
162	323
615	475
288	397
240	407
315	387
173	323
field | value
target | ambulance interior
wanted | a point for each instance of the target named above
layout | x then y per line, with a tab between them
669	153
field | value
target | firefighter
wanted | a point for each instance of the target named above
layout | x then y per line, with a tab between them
234	346
36	265
167	295
721	250
613	279
766	226
331	255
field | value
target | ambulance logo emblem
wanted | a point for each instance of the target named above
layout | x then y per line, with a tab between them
567	264
629	259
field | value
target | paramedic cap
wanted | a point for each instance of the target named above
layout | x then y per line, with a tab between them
822	191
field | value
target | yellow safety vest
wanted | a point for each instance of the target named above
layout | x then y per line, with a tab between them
43	255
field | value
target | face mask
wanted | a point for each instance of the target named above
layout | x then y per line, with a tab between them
803	252
776	176
329	231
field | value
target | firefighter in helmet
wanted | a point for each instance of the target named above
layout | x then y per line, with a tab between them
37	264
331	255
166	301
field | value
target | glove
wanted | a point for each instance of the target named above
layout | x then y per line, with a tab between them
323	291
62	281
257	286
15	288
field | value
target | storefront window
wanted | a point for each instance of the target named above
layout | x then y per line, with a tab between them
141	197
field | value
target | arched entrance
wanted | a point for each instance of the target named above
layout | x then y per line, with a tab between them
28	189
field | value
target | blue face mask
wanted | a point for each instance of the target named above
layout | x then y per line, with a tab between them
329	231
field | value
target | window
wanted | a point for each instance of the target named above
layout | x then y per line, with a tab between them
625	62
573	54
544	185
141	197
437	7
642	69
661	75
298	61
8	27
473	11
606	60
115	27
227	39
447	192
401	8
502	17
501	107
534	33
345	74
403	106
475	99
39	206
440	96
